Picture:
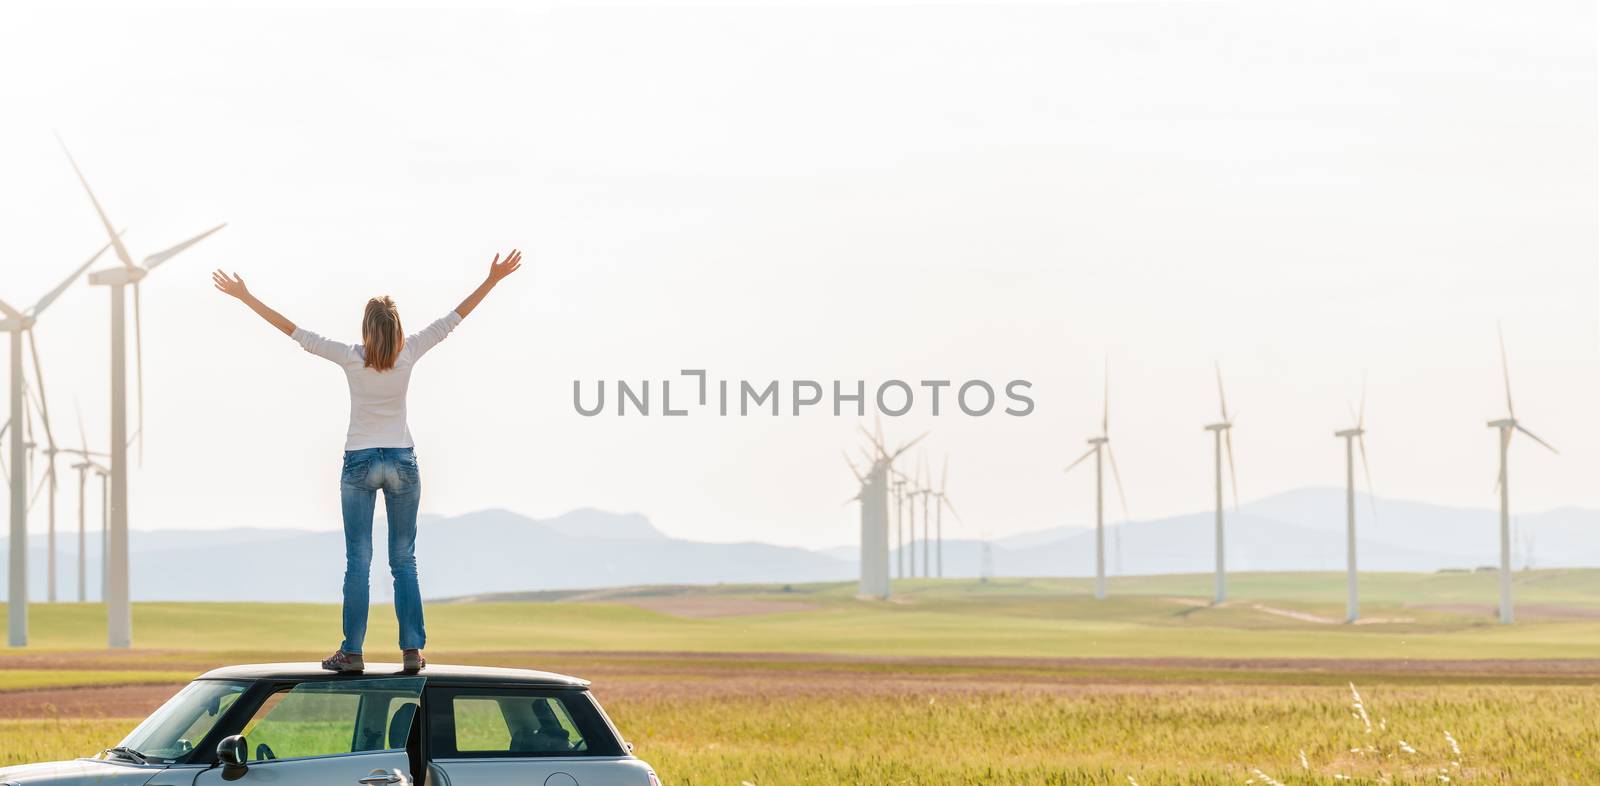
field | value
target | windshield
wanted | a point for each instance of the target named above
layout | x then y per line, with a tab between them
172	731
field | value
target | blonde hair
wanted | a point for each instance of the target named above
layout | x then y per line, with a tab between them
381	333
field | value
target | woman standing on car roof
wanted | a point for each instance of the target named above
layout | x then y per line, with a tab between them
378	451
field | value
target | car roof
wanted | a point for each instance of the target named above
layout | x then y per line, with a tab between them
454	675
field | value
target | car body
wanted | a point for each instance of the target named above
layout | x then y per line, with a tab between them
293	724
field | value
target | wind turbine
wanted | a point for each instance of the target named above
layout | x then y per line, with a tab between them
911	525
84	467
1222	431
119	611
900	525
939	508
1354	438
16	323
874	499
1097	445
1508	426
927	535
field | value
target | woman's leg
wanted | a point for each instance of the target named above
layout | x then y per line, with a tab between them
402	493
357	496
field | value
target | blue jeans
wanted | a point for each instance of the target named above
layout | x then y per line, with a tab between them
365	472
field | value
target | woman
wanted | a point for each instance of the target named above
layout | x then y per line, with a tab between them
378	451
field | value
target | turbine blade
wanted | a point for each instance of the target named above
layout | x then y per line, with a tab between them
138	349
1221	396
944	474
37	490
1361	417
876	442
1105	414
952	508
150	262
1088	453
1505	369
116	239
1227	438
1535	438
1116	475
83	433
853	470
50	297
907	446
1500	477
44	403
5	308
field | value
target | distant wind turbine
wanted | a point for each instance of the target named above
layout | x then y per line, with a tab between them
1508	426
119	611
1354	438
874	499
84	467
1222	431
939	507
1098	445
16	323
927	521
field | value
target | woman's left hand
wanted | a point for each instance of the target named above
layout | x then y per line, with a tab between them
499	269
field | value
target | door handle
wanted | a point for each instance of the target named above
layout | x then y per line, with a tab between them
380	777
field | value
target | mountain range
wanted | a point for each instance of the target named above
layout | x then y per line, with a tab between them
498	551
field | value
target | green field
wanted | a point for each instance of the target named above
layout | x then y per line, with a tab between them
955	682
1145	617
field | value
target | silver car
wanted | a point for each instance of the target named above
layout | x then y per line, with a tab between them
293	724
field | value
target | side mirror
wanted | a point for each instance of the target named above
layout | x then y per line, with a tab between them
233	752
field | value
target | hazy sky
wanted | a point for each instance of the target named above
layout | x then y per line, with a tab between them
1301	190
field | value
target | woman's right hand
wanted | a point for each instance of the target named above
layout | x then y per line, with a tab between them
230	286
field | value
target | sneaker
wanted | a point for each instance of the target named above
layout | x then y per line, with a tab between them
344	662
413	660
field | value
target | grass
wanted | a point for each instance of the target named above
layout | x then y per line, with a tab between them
1013	617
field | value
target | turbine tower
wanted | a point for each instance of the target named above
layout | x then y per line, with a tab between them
900	525
943	502
16	323
1354	438
927	521
1098	445
119	611
874	499
1222	432
1507	426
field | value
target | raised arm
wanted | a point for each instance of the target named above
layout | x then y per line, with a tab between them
235	287
497	271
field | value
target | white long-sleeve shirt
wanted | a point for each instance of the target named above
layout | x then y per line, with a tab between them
378	399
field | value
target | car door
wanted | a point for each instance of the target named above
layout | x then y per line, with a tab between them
334	732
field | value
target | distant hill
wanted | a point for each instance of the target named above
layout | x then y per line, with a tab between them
484	552
498	551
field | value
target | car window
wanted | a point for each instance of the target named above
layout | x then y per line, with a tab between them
476	723
173	730
333	717
515	724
